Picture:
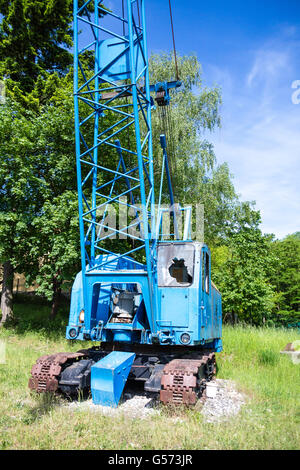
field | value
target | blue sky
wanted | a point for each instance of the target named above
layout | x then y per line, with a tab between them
251	49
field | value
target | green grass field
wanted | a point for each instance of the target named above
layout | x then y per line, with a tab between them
269	420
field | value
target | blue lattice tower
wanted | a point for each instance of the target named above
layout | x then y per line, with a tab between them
113	104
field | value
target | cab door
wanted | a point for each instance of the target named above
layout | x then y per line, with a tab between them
205	295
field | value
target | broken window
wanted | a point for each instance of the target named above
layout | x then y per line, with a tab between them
179	271
175	265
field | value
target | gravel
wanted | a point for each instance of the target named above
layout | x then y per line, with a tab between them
132	406
226	404
138	405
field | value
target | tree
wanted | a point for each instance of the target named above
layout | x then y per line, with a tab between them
196	176
54	244
241	271
20	188
35	37
192	110
40	234
37	168
286	279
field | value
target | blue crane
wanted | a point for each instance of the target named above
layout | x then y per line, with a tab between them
145	295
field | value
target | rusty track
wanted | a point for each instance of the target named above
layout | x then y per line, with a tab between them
45	372
184	380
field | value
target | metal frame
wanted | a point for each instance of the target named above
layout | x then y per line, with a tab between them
99	92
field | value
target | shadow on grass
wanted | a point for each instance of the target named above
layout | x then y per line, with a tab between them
45	403
33	316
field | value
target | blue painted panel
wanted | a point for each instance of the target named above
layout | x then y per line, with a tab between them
116	53
109	376
174	306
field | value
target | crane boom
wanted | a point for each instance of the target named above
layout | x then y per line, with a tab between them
121	69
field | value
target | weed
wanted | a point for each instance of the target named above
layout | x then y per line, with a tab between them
268	357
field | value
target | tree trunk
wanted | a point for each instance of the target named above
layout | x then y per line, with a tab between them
7	293
55	299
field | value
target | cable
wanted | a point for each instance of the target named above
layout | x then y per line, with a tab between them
173	36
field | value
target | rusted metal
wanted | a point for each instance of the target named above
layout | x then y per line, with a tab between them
289	347
119	93
183	380
45	372
160	97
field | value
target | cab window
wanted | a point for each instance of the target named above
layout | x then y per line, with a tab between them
205	271
175	265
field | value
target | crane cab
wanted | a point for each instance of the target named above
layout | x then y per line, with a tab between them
189	303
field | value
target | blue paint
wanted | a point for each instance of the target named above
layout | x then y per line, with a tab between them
116	52
108	378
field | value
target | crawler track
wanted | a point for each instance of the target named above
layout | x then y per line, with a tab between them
45	372
184	380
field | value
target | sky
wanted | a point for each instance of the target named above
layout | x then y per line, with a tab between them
251	49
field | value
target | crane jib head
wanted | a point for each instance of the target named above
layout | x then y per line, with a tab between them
161	89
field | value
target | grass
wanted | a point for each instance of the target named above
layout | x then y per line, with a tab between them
269	420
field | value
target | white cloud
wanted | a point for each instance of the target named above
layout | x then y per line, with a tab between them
260	135
268	64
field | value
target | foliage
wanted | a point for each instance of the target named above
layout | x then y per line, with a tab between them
20	184
241	274
35	42
56	246
286	279
37	180
34	38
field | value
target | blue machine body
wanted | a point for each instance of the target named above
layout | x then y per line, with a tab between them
189	305
169	300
